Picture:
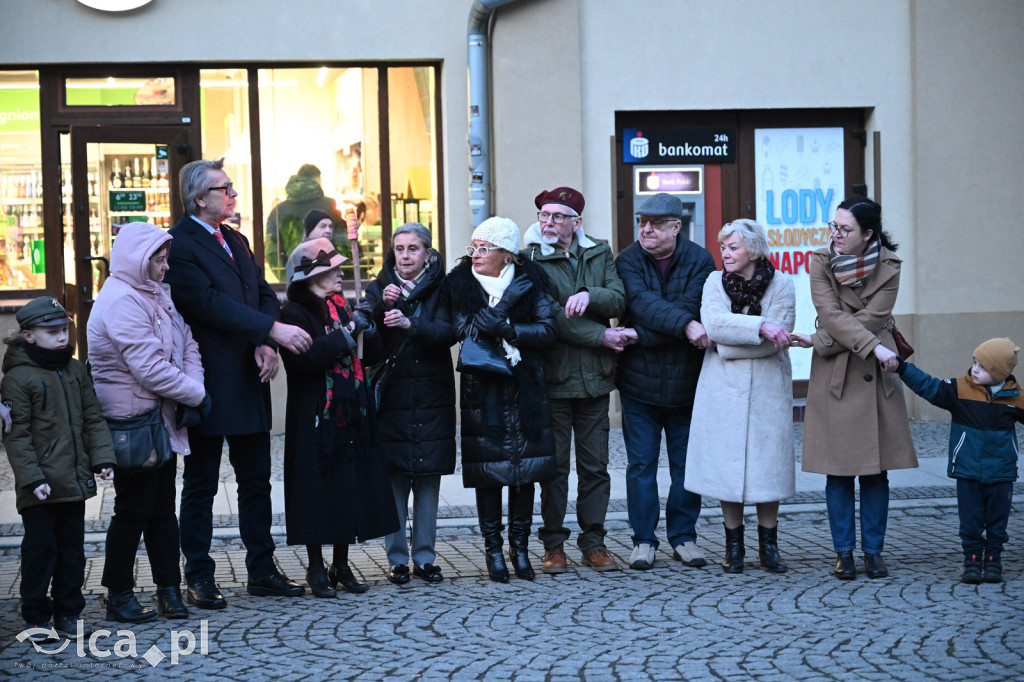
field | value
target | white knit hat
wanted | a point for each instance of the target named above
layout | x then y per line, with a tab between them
502	232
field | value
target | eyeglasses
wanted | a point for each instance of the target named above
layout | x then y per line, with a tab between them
481	251
227	189
844	232
656	223
556	218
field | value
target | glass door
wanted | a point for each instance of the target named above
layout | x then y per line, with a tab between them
119	175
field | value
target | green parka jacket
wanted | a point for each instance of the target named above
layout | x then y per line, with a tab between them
577	365
59	435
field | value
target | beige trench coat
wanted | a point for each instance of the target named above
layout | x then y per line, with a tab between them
741	434
856	420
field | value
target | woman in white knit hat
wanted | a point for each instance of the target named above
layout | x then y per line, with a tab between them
500	304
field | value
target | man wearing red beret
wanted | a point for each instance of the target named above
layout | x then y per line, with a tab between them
579	367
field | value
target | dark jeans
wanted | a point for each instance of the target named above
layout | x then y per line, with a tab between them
53	548
984	511
488	505
587	418
144	507
874	512
642	425
250	458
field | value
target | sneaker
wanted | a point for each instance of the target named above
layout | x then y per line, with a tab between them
399	575
600	560
39	632
68	626
993	570
554	561
972	571
690	555
428	572
642	557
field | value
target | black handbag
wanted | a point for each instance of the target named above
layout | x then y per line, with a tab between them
142	442
482	354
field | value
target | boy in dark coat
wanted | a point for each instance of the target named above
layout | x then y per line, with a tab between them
59	439
985	405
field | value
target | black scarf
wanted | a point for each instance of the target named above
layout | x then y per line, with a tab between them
50	358
748	292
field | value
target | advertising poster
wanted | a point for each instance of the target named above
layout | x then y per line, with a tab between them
799	184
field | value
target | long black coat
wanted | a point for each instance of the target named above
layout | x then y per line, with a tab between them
417	413
663	367
231	308
506	421
349	500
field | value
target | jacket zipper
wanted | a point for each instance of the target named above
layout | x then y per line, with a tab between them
956	451
71	426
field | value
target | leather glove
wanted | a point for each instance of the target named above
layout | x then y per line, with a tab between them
490	322
205	406
187	417
516	289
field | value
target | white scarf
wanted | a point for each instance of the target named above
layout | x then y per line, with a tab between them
533	236
495	287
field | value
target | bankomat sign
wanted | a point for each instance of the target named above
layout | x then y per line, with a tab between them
705	145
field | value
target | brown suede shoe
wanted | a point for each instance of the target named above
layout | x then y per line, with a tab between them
554	561
600	560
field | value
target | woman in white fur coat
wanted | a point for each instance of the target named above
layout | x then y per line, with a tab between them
741	436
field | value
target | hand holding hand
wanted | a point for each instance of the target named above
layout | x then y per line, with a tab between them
396	318
577	304
800	340
107	473
886	358
42	491
267	362
696	334
5	418
615	339
291	337
776	334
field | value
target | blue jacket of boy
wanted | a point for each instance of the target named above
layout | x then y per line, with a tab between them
982	438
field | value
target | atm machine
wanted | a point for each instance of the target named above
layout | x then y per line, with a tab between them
685	182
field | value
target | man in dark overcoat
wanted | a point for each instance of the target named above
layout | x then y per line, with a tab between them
234	314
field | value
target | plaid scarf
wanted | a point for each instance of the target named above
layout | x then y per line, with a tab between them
747	293
409	284
853	271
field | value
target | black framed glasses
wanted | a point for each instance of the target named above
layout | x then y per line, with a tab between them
656	223
481	251
556	218
843	231
227	189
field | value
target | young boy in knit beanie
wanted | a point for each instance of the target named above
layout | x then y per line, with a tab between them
985	405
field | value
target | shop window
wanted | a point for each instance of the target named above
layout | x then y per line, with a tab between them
319	149
224	102
411	129
132	91
22	262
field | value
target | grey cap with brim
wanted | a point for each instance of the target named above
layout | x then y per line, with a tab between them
661	205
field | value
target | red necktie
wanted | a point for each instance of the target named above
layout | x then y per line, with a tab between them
220	240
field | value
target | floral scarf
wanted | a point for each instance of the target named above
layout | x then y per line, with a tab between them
346	419
747	293
853	271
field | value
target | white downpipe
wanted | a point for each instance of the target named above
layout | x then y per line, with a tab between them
479	139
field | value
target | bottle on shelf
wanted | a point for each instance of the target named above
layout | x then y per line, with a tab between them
116	179
137	173
129	177
146	177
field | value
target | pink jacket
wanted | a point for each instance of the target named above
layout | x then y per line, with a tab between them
140	348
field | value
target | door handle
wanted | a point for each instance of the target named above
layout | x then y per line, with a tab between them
86	287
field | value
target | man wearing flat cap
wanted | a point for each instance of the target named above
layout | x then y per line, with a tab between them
664	274
579	368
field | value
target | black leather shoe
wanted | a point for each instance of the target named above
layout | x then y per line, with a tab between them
123	607
846	569
169	604
399	575
319	583
993	570
68	626
972	570
428	572
206	595
342	575
274	585
875	565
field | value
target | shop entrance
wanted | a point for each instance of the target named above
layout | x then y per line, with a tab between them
112	176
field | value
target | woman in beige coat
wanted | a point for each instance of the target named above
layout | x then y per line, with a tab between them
856	421
741	434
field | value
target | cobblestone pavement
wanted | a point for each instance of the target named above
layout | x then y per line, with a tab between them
667	623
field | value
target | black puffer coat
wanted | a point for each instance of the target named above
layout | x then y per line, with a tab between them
663	367
506	421
417	412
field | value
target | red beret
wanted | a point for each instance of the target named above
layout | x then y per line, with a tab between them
566	196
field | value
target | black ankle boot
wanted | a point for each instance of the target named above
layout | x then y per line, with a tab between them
993	570
342	575
875	565
319	582
519	543
846	569
768	550
972	570
734	551
169	603
496	568
125	608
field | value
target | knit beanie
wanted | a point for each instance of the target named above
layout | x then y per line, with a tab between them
998	357
313	217
502	232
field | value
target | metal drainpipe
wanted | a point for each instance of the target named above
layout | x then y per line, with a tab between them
479	140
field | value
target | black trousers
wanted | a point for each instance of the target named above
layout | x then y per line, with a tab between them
52	549
488	504
144	507
250	458
984	510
